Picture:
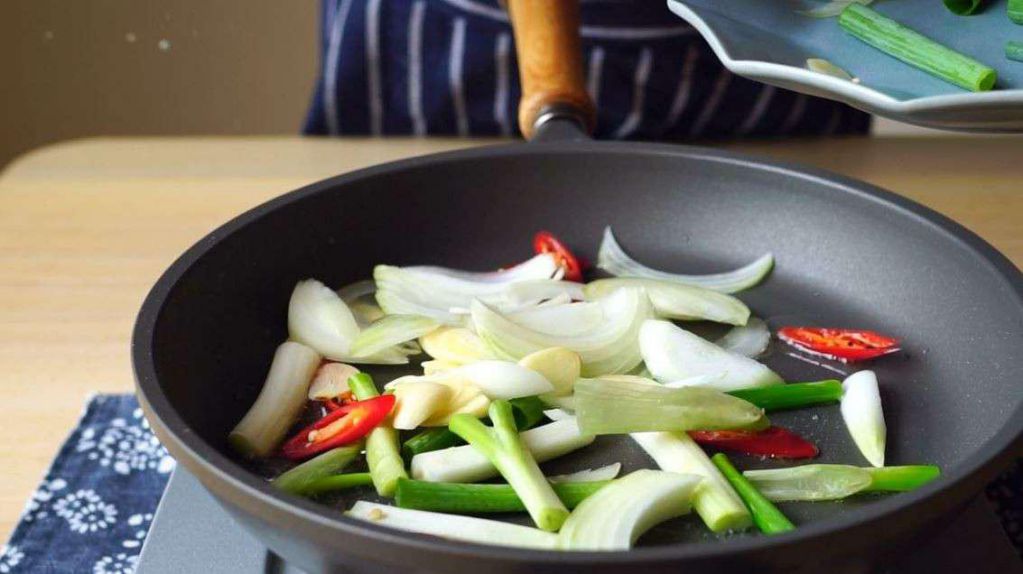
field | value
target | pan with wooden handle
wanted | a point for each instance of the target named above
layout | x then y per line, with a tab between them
848	254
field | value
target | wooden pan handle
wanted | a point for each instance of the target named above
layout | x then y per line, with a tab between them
550	61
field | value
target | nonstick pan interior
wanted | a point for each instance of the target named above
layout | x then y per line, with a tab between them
846	255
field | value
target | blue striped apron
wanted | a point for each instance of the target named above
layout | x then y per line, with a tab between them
447	67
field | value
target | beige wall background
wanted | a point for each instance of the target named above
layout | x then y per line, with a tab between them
74	68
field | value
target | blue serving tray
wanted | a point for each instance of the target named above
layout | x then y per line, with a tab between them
770	41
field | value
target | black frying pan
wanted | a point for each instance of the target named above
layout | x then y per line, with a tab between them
848	254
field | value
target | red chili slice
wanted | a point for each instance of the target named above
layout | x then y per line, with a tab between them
846	345
775	442
546	242
345	425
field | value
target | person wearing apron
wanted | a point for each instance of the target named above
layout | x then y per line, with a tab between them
448	67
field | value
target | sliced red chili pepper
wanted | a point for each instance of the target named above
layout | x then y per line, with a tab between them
773	442
546	242
340	427
846	345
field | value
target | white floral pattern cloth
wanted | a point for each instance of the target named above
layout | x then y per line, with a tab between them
93	509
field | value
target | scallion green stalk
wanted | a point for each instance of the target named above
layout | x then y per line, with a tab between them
901	478
1013	49
792	395
467	498
504	448
301	478
916	49
1014	9
962	7
766	516
338	482
382	454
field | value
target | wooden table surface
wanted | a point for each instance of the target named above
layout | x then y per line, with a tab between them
87	226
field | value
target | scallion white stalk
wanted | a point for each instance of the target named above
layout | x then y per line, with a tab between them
863	416
464	464
279	402
453	526
622	406
809	482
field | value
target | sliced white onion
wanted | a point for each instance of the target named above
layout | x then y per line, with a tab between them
453	526
525	292
571	320
331	380
358	290
613	259
832	8
279	402
389	331
613	348
673	300
608	472
318	318
673	354
749	340
825	67
565	404
617	515
697	381
863	416
434	291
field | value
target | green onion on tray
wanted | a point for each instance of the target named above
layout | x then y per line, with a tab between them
916	49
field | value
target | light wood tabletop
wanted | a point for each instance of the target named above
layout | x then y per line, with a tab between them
87	226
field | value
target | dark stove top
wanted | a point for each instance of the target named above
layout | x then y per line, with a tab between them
191	533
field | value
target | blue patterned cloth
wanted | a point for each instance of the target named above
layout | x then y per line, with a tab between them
94	506
93	509
448	67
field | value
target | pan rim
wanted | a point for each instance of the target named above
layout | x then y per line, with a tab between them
199	456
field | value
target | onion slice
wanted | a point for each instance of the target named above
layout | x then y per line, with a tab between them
615	516
613	259
674	354
436	291
749	340
677	301
613	348
389	331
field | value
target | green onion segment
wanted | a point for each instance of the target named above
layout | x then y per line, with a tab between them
302	478
469	498
766	516
385	463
